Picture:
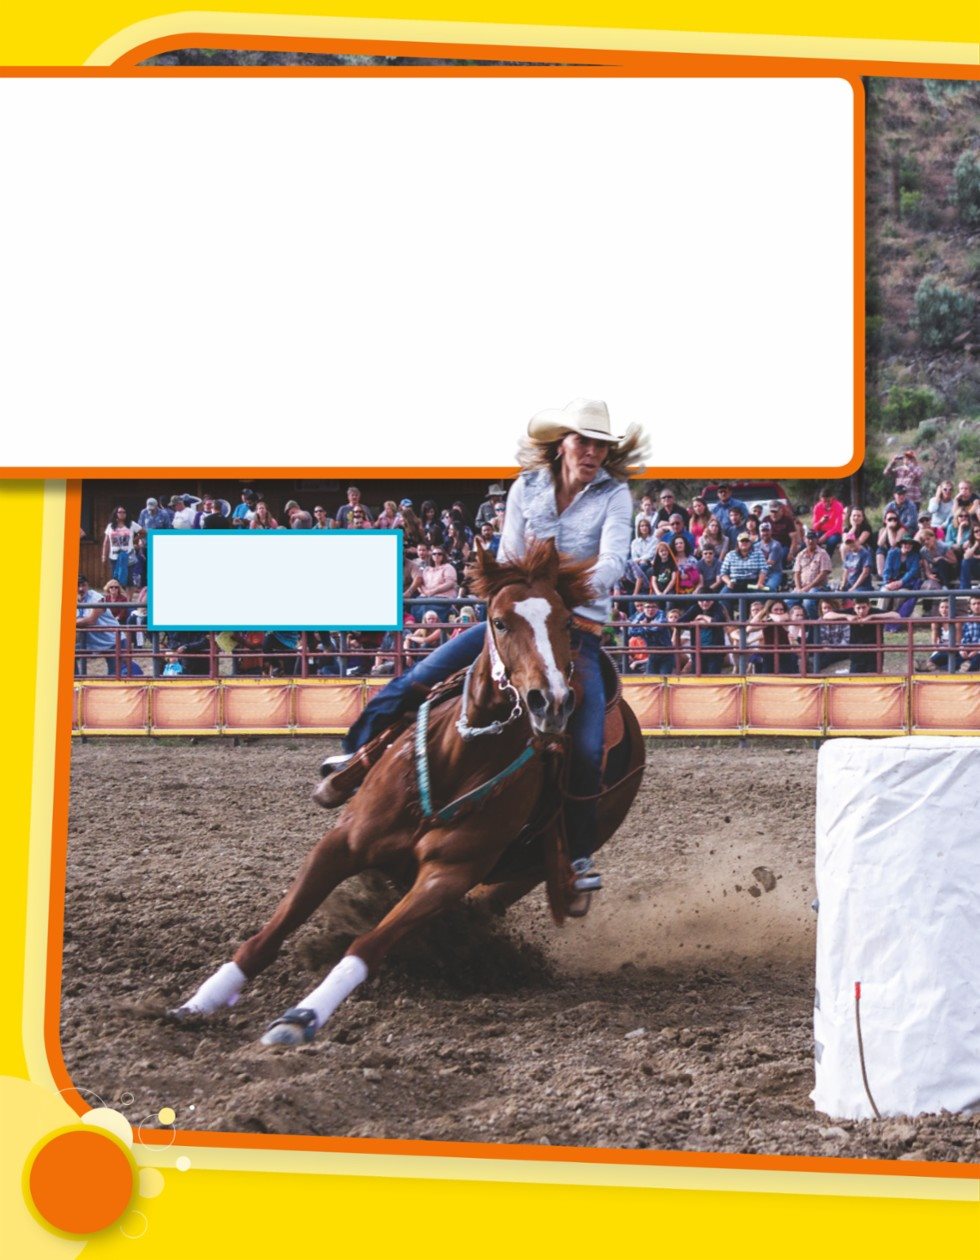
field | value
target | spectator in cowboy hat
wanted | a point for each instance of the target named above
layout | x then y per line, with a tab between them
485	512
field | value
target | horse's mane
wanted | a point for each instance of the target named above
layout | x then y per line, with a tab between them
540	563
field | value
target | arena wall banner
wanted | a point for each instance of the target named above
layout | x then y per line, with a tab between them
255	247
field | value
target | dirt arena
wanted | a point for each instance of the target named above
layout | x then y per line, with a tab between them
676	1016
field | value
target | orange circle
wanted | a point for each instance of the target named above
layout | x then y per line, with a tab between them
81	1181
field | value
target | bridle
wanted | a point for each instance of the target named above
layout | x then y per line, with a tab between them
498	672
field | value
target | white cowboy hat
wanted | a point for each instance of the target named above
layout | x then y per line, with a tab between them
588	417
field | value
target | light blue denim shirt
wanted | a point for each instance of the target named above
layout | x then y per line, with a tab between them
598	522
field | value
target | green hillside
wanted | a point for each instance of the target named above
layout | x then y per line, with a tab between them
923	275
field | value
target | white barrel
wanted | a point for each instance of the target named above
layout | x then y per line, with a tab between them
898	885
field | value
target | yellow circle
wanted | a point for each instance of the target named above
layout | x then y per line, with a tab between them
166	1115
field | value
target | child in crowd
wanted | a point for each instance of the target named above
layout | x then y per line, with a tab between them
970	637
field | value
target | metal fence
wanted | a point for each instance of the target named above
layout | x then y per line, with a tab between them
739	644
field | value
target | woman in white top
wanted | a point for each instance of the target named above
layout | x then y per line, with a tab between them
643	548
572	489
117	544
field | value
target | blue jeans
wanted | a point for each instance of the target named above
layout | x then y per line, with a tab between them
405	694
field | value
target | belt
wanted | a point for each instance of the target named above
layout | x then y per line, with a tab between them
586	626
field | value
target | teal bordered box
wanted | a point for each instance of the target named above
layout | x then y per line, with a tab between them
274	579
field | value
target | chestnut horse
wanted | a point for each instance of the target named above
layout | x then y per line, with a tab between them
519	695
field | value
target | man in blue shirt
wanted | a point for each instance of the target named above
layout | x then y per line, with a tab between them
902	572
725	501
774	555
242	516
652	627
744	568
903	507
98	630
154	516
677	529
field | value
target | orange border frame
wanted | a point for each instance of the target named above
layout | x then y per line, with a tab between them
339	1145
602	64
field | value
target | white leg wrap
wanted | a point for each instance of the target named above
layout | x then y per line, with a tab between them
340	983
221	989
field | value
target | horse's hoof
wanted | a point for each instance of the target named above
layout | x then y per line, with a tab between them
181	1014
578	906
297	1027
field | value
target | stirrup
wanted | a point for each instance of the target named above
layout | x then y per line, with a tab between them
587	878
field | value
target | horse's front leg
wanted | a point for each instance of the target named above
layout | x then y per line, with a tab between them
328	864
440	882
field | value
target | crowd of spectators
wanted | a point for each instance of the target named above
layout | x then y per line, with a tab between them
818	586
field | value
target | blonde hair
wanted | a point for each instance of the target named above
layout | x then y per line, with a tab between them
624	457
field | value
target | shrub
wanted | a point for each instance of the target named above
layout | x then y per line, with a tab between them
968	444
910	173
908	204
926	432
966	188
942	313
915	210
874	334
906	407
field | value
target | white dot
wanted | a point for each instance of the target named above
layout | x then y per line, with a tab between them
151	1182
183	1163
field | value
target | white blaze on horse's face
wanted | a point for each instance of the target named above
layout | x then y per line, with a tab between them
549	705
